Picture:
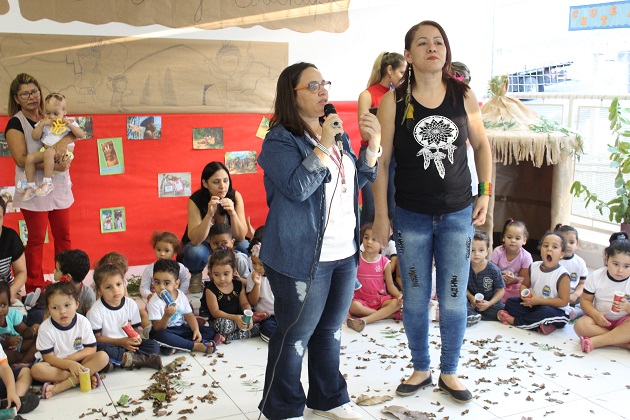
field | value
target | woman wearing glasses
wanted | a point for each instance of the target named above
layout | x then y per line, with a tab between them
311	242
26	105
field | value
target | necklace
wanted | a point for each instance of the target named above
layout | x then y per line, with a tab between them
337	159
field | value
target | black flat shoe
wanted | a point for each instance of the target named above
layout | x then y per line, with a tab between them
461	396
404	390
28	403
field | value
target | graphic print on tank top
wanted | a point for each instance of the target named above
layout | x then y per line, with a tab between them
436	135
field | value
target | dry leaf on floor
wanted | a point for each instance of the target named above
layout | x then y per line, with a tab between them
367	400
403	413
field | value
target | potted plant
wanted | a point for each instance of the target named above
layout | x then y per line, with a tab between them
618	206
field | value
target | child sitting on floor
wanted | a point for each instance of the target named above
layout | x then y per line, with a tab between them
259	292
74	265
14	383
17	338
67	344
484	278
545	306
165	245
606	320
512	258
108	316
226	299
378	298
175	326
576	267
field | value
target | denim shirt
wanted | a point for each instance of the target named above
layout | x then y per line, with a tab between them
295	185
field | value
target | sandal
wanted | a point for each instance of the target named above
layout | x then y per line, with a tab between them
44	387
503	316
586	344
99	382
210	344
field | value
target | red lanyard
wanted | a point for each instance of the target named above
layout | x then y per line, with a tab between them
338	161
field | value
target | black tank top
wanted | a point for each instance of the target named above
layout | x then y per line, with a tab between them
432	175
201	201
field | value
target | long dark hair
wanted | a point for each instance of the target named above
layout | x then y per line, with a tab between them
285	106
207	172
456	87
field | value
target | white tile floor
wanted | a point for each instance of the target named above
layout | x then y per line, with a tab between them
512	373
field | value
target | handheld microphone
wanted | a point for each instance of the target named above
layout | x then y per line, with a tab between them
330	109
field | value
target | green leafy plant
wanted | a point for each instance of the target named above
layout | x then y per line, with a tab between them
619	210
133	286
548	126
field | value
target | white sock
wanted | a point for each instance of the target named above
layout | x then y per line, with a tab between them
32	184
48	180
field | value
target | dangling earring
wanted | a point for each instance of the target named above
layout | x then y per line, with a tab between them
408	105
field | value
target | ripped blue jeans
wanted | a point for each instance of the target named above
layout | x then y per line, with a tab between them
419	239
308	317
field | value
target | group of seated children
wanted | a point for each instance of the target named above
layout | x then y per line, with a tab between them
511	288
77	328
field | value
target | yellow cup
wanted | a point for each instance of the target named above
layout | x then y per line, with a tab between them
85	381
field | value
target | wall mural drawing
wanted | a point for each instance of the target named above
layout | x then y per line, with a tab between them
147	75
300	15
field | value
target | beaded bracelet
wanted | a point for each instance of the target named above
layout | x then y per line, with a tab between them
485	188
323	149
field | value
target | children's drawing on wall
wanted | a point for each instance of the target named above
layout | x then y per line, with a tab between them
111	160
208	138
7	194
24	232
263	128
91	66
4	147
144	128
113	220
86	125
234	73
118	86
241	162
147	75
174	184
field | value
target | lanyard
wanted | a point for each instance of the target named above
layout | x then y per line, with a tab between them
338	161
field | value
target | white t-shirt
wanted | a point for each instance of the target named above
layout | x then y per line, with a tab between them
576	267
603	288
64	341
156	307
108	320
545	283
390	249
50	139
338	240
147	279
265	299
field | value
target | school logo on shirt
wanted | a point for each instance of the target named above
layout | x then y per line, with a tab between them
78	343
436	134
546	291
573	277
487	283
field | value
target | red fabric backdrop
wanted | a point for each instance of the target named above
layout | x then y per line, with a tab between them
137	188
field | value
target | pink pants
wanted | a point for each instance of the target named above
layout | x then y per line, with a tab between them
36	223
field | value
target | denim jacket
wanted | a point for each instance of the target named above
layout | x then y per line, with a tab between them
295	185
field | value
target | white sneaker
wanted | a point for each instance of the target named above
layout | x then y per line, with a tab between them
343	412
575	312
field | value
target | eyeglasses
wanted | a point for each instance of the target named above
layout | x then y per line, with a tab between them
314	86
26	94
